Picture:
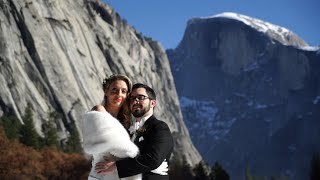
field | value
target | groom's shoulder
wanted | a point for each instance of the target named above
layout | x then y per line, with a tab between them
158	123
155	120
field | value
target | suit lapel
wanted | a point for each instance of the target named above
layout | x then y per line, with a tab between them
148	125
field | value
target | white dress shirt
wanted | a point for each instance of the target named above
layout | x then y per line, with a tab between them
136	124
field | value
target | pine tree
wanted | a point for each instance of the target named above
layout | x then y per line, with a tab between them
180	169
28	133
187	173
49	129
218	173
201	171
11	126
73	144
175	167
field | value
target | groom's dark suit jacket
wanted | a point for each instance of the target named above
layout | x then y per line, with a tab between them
155	145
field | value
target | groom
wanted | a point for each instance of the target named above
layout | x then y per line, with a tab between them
152	136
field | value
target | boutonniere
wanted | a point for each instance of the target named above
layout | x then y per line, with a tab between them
142	129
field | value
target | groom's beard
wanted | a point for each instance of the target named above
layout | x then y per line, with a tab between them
141	111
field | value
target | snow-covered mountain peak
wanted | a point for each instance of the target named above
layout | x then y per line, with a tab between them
281	34
255	23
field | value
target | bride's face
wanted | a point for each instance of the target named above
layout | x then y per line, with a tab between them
116	93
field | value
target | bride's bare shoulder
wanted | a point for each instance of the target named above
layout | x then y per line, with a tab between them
99	108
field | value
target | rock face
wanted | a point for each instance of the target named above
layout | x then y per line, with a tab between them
54	54
250	95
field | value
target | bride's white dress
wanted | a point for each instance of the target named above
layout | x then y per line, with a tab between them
104	135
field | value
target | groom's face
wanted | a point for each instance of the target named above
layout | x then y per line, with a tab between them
140	103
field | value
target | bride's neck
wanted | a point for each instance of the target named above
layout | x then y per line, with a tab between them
113	110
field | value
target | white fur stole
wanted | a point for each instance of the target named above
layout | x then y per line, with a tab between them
103	134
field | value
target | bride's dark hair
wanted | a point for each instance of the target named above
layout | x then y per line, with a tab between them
124	115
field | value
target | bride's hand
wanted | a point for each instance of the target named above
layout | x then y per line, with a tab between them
105	167
162	169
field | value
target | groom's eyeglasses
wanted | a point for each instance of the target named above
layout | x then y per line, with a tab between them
138	98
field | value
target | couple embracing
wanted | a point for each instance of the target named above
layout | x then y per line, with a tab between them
124	147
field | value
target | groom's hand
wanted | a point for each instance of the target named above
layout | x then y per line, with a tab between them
106	167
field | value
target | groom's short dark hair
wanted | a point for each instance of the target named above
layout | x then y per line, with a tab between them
149	90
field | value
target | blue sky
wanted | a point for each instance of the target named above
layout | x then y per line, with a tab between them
165	21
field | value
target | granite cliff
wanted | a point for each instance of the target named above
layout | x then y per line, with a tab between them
54	55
